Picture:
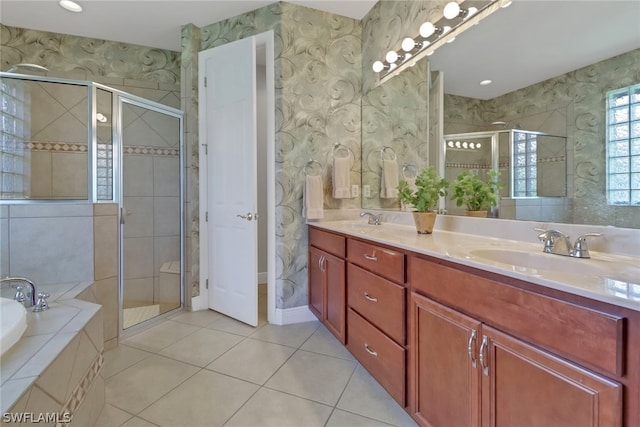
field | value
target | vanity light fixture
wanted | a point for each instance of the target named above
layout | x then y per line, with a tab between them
434	35
70	5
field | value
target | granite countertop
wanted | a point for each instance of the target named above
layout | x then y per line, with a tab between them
610	278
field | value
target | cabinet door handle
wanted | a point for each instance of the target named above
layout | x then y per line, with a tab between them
371	352
370	298
483	362
371	257
321	263
472	338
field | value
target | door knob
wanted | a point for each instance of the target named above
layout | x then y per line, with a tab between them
248	216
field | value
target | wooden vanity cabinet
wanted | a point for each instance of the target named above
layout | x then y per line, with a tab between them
327	286
376	314
464	372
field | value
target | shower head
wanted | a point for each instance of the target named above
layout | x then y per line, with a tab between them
28	67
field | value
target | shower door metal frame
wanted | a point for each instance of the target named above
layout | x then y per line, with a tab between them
121	98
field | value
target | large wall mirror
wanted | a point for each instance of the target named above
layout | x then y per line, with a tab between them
552	64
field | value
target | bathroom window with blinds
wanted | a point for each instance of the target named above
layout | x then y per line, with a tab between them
623	146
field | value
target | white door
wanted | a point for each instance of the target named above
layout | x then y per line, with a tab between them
230	135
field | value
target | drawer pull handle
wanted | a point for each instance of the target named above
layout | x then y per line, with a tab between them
371	352
371	257
472	338
370	298
483	347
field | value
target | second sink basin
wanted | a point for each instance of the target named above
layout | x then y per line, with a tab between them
540	261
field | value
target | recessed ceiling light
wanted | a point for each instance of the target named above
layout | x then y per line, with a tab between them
70	5
486	82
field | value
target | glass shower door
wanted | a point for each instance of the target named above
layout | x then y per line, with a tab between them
151	212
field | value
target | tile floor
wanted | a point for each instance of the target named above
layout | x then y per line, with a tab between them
205	369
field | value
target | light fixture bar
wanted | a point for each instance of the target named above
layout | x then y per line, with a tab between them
433	35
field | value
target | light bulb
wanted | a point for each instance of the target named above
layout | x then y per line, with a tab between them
378	66
427	29
71	6
101	118
392	56
392	67
446	29
450	144
478	145
457	144
465	145
408	44
471	11
451	10
472	146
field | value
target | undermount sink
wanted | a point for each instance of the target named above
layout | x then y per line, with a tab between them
543	262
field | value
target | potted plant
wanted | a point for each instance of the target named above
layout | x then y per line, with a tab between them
423	197
476	194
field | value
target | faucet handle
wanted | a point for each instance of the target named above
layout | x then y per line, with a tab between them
580	248
42	303
19	296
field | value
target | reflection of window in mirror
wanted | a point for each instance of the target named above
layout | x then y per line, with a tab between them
525	164
623	146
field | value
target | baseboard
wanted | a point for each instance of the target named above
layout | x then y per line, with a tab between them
262	277
288	316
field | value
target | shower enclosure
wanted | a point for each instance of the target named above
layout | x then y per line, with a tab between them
532	166
76	141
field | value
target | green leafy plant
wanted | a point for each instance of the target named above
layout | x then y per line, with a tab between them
475	193
428	189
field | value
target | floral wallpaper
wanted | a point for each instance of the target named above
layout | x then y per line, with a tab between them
573	105
64	54
317	60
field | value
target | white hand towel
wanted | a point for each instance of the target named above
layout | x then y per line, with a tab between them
389	179
313	197
341	178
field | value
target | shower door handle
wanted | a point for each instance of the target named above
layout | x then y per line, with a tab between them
124	212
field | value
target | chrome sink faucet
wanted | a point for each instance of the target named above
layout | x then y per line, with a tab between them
373	219
556	242
28	299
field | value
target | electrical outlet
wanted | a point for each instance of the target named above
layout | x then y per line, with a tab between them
355	190
366	191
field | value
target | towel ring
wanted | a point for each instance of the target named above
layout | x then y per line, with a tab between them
337	147
384	149
409	171
307	168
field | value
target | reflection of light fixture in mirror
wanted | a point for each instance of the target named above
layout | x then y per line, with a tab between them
464	145
101	118
453	10
506	4
71	6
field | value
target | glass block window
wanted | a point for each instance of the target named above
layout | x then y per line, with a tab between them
15	154
104	171
525	159
623	146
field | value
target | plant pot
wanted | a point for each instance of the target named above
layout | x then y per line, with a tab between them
477	214
424	221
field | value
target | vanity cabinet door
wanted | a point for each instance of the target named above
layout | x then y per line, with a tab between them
444	369
316	282
327	290
527	387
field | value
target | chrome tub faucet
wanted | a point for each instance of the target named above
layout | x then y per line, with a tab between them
28	298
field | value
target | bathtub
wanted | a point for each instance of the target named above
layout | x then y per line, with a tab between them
13	323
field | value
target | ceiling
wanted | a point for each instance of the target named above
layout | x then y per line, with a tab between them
528	42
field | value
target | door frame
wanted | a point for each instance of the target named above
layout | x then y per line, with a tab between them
201	302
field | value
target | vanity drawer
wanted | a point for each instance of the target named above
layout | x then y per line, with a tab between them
378	300
383	358
385	262
580	333
329	242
